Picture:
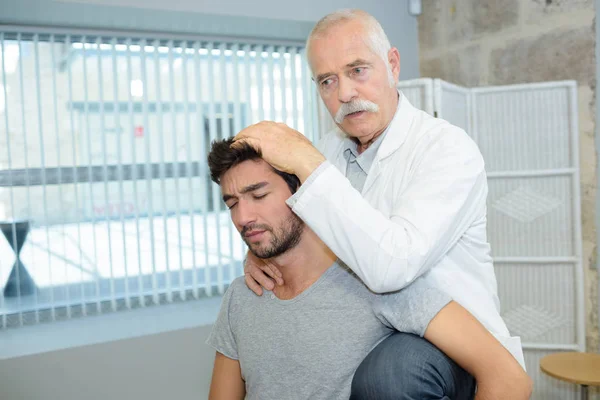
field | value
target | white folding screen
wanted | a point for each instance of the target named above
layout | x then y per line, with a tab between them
454	104
419	92
528	136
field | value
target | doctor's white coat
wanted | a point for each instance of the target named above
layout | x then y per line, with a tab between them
422	212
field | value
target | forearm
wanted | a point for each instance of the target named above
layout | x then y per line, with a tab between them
515	388
329	207
462	338
227	382
387	252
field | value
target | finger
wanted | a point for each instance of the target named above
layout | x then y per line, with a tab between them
279	280
241	135
256	273
263	280
247	132
239	144
274	273
253	285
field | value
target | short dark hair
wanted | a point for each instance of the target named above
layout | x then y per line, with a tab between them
222	157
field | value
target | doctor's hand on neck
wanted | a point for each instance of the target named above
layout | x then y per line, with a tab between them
259	274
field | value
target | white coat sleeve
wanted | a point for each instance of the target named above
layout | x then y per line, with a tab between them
445	195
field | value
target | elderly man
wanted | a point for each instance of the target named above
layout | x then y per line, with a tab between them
305	339
395	193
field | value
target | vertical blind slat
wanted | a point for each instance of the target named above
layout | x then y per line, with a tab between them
250	117
294	87
134	178
161	151
75	183
7	107
59	162
174	134
271	83
90	181
216	201
188	159
237	116
226	134
107	208
259	82
119	145
28	191
43	171
148	170
282	79
198	69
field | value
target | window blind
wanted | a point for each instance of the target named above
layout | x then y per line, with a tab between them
105	197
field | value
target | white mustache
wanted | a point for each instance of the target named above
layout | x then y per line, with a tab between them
354	106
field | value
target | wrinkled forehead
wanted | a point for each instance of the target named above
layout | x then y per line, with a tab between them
338	49
247	173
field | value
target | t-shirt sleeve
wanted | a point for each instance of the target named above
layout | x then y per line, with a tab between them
411	309
221	337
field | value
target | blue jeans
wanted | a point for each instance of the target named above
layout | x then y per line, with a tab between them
407	367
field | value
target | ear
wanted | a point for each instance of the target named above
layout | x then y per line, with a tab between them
394	60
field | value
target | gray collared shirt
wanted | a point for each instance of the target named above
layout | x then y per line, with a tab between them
358	165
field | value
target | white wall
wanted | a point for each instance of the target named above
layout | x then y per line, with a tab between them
392	14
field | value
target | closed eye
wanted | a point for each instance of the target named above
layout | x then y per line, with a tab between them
260	196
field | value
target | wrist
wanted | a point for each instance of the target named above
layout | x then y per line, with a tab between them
308	166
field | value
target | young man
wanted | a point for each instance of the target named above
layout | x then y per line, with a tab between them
407	190
305	339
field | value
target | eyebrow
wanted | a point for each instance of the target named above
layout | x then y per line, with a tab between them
353	64
249	188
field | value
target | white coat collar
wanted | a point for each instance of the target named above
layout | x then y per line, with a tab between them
398	128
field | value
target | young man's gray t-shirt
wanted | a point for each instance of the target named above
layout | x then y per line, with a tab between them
309	347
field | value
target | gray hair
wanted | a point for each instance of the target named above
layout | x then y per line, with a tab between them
376	38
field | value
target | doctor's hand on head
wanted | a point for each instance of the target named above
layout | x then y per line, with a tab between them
259	274
284	148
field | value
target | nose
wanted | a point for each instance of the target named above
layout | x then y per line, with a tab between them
242	214
346	90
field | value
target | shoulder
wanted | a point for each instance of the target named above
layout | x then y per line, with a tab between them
436	137
438	129
238	287
347	279
237	292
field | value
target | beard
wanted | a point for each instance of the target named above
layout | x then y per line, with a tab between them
286	237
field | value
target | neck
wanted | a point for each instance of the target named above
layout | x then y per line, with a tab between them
303	265
366	142
361	147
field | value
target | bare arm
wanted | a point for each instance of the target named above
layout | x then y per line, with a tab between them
458	334
227	382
